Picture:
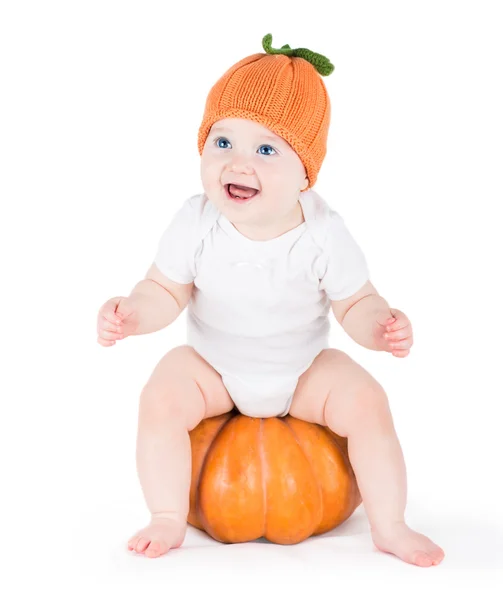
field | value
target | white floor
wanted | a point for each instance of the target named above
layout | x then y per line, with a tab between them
94	562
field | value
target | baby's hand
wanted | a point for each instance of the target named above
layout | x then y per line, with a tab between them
117	319
394	334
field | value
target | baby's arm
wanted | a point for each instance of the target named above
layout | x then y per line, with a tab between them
358	314
158	300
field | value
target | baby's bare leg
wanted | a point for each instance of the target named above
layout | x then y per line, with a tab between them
339	393
182	390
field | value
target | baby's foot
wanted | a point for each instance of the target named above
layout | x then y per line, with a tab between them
409	545
162	534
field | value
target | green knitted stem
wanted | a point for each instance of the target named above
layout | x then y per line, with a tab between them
320	62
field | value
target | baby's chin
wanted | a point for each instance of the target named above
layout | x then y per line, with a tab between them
240	215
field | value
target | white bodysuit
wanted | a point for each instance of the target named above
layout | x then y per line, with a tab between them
259	309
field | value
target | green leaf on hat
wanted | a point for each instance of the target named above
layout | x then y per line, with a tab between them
320	62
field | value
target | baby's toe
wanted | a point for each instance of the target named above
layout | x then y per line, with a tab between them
437	555
141	544
132	542
422	559
155	549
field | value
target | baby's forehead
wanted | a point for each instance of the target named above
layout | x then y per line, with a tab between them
244	127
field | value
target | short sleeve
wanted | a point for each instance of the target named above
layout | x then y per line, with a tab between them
176	249
345	266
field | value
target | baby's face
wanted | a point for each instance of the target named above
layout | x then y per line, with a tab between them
243	152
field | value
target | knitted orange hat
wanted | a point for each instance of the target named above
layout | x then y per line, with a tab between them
282	91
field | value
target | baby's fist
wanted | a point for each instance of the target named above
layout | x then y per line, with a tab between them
117	319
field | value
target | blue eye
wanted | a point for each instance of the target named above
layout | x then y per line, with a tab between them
220	139
267	146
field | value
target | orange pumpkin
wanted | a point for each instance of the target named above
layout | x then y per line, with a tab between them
279	478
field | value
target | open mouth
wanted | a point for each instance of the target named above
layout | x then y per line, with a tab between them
240	193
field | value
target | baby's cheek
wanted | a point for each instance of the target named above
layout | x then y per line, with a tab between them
210	181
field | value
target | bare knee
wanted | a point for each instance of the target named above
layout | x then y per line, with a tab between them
179	360
180	403
366	406
178	400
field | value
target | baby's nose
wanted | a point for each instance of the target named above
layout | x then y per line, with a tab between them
240	165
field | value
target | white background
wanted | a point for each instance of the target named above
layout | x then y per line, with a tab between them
99	109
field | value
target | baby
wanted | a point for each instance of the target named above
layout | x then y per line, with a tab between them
260	258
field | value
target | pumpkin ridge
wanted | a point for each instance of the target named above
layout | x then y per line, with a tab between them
334	439
345	455
320	492
262	469
203	464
